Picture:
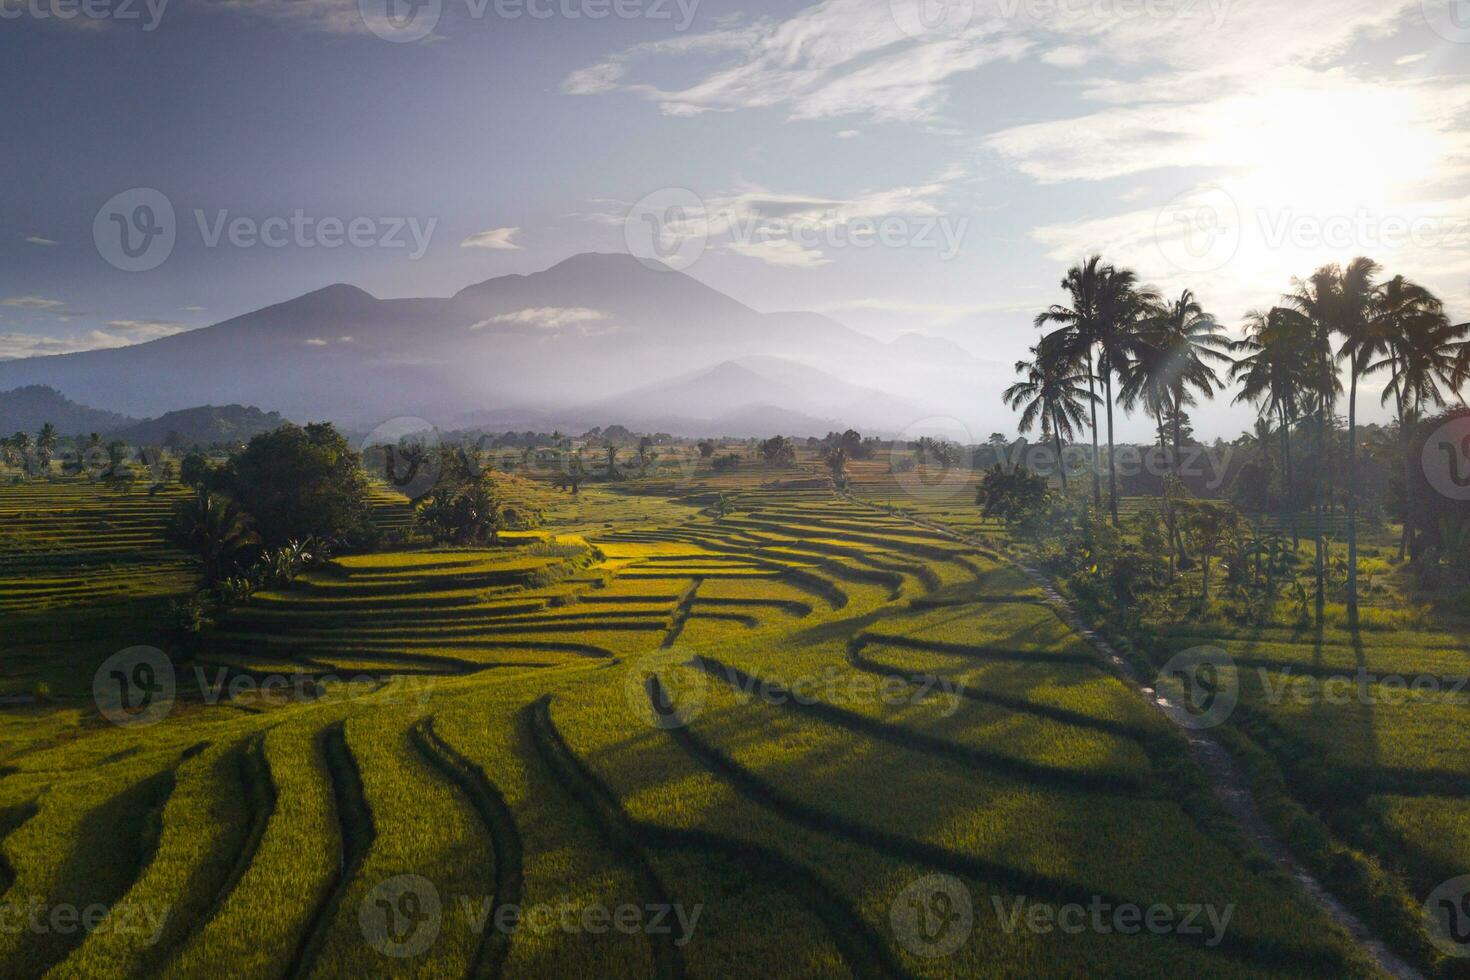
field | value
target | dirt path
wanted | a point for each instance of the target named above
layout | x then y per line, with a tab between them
1217	764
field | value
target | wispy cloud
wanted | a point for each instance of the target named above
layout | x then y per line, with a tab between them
31	303
119	333
38	240
550	319
791	229
493	238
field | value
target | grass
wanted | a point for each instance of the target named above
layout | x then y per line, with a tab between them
501	752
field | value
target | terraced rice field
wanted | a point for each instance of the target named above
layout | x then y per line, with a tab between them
1369	729
80	564
678	744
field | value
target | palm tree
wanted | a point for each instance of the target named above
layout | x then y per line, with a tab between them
1422	348
45	445
1101	323
1079	326
1278	356
1189	338
215	528
1359	310
1314	302
1052	393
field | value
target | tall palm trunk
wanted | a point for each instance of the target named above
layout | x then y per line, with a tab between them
1112	469
1352	501
1056	431
1287	514
1322	517
1169	521
1398	396
1092	400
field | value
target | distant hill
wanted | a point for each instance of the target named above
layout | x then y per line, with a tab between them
204	425
522	347
755	396
27	409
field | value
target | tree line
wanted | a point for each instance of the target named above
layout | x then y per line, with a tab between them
1116	343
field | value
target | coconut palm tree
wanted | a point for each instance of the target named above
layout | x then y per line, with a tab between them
1189	339
1053	394
45	445
1315	302
1359	316
215	528
1422	348
1126	307
1079	322
1099	328
1277	349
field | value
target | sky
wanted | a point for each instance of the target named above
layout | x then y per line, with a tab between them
901	165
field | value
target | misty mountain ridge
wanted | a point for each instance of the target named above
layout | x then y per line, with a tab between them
597	330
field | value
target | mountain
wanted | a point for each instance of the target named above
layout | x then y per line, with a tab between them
27	409
753	395
204	425
588	330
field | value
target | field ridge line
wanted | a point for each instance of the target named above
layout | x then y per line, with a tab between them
1222	773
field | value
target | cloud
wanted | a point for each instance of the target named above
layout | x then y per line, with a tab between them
876	58
31	303
493	238
550	319
780	252
38	240
847	134
789	229
1067	56
315	342
139	331
119	333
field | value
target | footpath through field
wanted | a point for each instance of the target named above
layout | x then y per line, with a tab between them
1212	757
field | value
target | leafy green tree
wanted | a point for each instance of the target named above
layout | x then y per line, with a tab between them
1011	495
301	483
470	513
1211	526
836	460
779	451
